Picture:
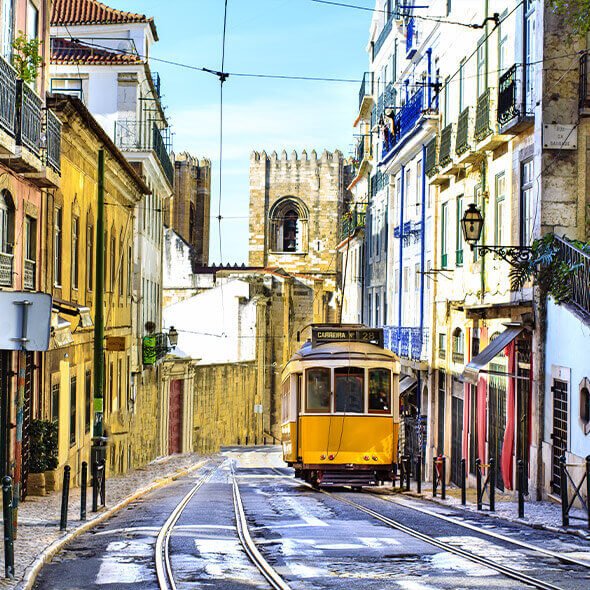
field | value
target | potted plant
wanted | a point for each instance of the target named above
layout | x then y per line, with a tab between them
43	460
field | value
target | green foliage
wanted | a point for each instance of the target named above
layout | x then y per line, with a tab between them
26	59
576	15
43	446
551	274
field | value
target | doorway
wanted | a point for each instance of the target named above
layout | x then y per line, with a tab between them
175	417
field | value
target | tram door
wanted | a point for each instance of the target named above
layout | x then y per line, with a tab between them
497	419
559	435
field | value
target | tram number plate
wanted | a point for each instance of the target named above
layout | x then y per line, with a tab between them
325	335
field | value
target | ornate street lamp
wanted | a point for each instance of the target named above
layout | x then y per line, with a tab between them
172	337
472	226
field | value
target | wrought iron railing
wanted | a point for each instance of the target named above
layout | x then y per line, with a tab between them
378	182
442	353
52	140
406	119
29	117
430	166
407	342
482	116
458	357
579	279
366	88
462	143
144	135
446	139
6	267
154	348
508	107
29	274
584	90
7	97
382	37
353	220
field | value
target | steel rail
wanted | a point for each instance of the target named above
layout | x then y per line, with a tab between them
162	553
560	556
505	570
269	573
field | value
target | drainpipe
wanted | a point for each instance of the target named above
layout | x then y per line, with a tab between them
401	249
429	56
482	259
422	257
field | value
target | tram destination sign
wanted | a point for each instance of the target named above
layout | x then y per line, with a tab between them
326	335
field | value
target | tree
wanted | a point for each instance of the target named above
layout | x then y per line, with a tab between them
576	15
26	59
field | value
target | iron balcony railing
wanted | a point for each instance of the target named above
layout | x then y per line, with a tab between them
353	220
29	118
446	139
378	182
6	267
141	136
411	38
366	89
430	166
29	275
482	116
508	107
579	279
382	37
7	97
584	90
157	83
405	120
462	143
52	141
407	342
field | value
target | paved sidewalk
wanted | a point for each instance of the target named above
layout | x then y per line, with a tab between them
38	517
543	515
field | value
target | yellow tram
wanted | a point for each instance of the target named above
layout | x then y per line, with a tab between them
340	408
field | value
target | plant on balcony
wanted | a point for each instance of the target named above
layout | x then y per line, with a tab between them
549	272
576	15
26	59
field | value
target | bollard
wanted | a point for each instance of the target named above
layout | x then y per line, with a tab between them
434	477
83	490
565	519
478	482
588	486
65	496
520	465
408	472
95	486
463	483
443	483
8	530
492	485
419	474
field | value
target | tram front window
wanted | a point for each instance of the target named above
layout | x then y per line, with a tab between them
318	390
350	397
379	391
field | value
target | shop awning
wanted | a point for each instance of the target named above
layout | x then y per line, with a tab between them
405	384
492	350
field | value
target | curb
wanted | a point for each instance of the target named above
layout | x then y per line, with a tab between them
534	525
30	575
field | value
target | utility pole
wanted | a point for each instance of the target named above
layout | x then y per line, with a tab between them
98	438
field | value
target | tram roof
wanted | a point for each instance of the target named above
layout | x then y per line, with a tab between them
343	351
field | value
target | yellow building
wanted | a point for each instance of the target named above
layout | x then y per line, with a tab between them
70	238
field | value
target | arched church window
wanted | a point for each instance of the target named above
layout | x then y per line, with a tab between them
290	231
288	226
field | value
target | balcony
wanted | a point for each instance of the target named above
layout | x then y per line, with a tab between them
49	175
7	106
353	220
6	269
29	275
378	182
366	96
512	113
411	38
132	135
154	348
382	37
486	132
446	139
579	279
407	231
464	141
407	342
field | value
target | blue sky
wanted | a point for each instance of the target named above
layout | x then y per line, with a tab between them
286	37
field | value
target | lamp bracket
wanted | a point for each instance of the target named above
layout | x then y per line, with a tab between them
513	255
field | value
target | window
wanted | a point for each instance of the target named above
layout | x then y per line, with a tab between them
90	257
129	271
113	265
529	56
57	245
459	233
379	391
32	21
502	49
449	7
447	101
499	237
288	226
406	279
87	400
442	393
418	188
394	62
462	85
458	346
442	346
482	71
70	86
585	404
417	276
118	396
317	390
75	240
6	222
475	342
121	259
73	403
526	203
444	222
349	385
111	387
408	197
55	402
377	310
7	20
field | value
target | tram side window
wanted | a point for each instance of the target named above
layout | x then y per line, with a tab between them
318	390
379	391
350	390
285	400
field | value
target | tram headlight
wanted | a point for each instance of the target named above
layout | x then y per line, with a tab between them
331	457
323	457
366	457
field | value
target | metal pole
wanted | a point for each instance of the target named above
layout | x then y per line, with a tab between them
83	490
103	487
98	441
419	474
463	483
563	488
65	496
478	482
434	477
492	484
408	472
8	532
588	487
443	485
520	465
95	486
